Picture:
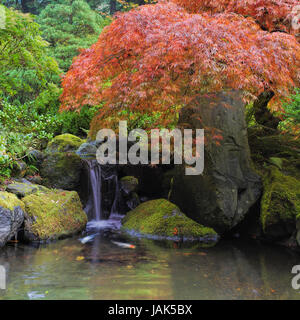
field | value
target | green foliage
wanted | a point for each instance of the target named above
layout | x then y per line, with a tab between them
77	123
32	6
292	113
25	68
13	147
25	119
69	25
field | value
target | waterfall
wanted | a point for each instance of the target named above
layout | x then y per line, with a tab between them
93	207
103	190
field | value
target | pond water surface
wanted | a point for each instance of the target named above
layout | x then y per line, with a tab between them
101	269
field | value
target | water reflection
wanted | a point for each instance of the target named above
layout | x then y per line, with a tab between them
100	269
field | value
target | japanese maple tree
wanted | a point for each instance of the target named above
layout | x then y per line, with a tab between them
158	57
271	15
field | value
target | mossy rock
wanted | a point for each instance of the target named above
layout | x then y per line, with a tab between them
62	170
161	219
53	215
11	216
129	184
265	146
64	143
10	201
21	189
280	204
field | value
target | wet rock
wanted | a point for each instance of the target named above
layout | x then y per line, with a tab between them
161	219
11	216
222	195
129	184
53	214
87	151
22	189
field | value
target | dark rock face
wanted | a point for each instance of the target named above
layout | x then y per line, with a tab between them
150	178
228	187
62	167
62	170
129	199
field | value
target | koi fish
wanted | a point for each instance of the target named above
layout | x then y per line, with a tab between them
124	245
88	238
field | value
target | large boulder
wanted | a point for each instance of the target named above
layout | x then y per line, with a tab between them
223	194
161	219
276	158
11	216
62	167
280	204
53	214
64	143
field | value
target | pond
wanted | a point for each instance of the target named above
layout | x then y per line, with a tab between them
103	269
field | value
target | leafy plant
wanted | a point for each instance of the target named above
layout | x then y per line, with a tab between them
292	114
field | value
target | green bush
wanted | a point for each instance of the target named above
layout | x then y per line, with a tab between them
13	148
291	116
25	119
77	123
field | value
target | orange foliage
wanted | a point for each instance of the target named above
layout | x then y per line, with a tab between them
160	56
269	14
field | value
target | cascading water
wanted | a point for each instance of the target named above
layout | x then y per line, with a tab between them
93	207
103	190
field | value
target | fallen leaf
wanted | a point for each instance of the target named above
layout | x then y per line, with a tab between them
79	258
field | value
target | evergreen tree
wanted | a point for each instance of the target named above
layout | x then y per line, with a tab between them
69	25
25	68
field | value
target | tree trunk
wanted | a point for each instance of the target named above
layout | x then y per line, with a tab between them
262	113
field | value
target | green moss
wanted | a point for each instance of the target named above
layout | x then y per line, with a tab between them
61	170
21	189
281	199
276	162
65	142
54	214
129	183
10	201
130	179
163	218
